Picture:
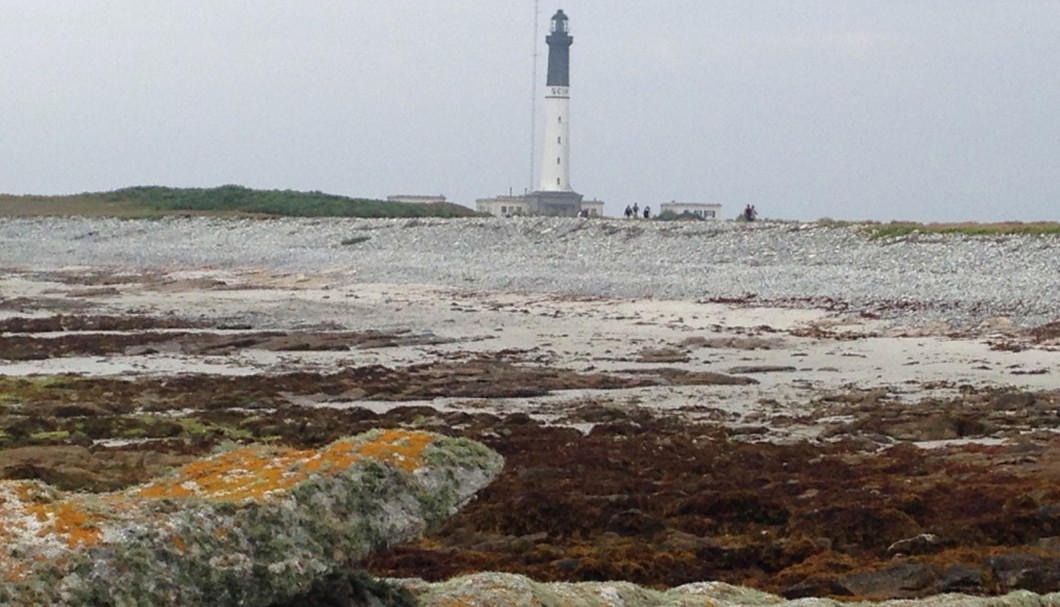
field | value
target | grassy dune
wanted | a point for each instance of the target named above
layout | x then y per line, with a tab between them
902	228
230	200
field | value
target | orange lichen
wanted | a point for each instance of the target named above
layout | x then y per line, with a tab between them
402	449
254	473
69	520
79	526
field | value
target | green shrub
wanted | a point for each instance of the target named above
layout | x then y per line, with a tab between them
157	201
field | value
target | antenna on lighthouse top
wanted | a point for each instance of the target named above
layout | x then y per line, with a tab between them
533	97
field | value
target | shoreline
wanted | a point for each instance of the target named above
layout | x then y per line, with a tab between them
631	425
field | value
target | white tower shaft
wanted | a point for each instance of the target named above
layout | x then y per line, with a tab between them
555	163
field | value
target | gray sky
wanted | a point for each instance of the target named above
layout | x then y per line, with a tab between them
848	109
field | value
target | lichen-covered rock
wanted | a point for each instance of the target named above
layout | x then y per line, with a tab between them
250	526
510	590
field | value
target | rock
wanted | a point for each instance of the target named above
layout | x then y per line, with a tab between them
352	589
750	369
505	589
1013	401
732	343
634	522
900	580
814	588
942	426
510	590
703	378
662	355
251	526
958	578
1025	572
1049	544
920	544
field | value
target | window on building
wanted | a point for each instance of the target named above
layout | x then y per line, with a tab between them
557	180
560	118
557	160
559	140
504	210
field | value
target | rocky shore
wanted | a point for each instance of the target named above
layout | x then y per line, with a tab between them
690	414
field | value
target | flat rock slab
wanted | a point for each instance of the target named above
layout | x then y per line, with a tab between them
250	526
510	590
748	369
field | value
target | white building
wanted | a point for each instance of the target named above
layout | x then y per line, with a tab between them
702	210
595	207
503	206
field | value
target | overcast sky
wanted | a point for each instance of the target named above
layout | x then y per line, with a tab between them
848	109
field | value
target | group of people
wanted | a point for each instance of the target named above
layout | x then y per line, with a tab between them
750	213
634	211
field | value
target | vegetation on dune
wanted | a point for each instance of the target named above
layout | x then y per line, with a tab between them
903	228
158	201
671	216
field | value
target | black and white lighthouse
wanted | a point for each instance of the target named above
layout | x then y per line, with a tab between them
554	195
555	167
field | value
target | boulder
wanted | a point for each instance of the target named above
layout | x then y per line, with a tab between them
510	590
923	543
898	580
1025	571
250	526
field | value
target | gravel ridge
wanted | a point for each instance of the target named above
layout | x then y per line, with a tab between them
919	279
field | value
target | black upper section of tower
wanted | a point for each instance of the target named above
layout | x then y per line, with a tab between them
559	41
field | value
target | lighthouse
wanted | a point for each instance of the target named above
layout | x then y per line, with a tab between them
554	195
555	165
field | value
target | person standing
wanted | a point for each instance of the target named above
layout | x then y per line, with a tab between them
629	212
647	212
636	210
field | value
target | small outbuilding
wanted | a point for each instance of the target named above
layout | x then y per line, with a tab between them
503	206
702	210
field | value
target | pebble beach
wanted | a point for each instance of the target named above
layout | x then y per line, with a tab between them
922	279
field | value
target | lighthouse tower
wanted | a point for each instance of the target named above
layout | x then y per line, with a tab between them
554	195
555	166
